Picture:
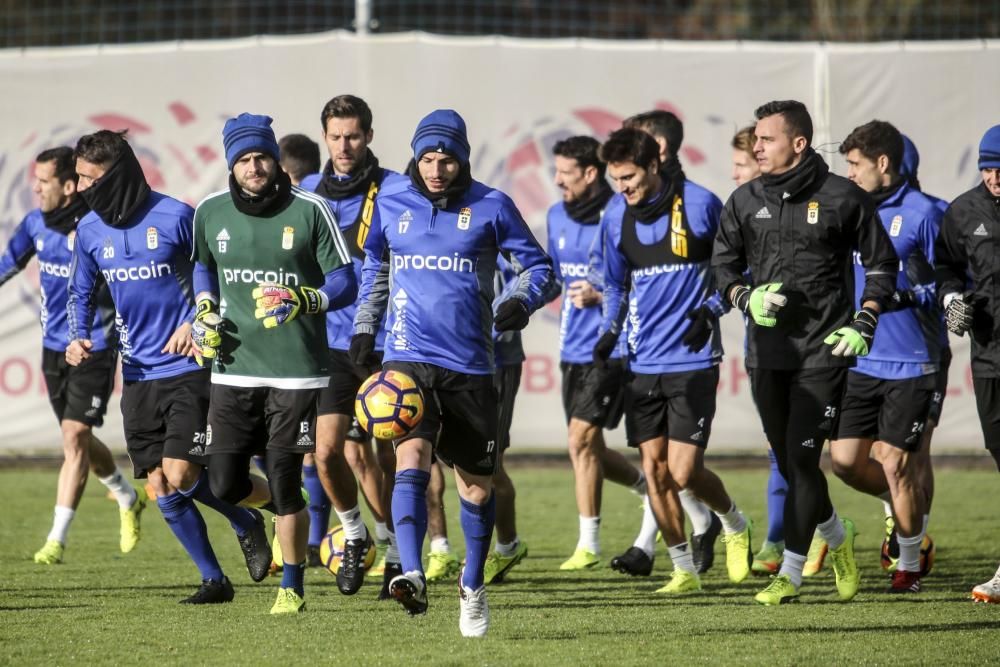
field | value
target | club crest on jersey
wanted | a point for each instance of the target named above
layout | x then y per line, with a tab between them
152	238
287	238
70	240
404	221
223	239
464	218
812	214
562	242
897	224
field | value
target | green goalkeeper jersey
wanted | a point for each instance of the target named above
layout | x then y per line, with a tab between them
295	247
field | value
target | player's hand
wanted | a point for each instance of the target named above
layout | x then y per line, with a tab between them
362	350
959	312
78	351
180	341
605	346
762	303
583	295
703	321
854	340
278	304
512	315
206	337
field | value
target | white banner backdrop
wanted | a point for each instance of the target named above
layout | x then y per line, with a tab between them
518	98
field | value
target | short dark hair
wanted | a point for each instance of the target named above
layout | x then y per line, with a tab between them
631	144
875	138
103	147
583	149
660	123
65	165
796	116
299	155
348	106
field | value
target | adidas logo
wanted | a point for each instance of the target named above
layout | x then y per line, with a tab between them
763	214
197	450
809	443
304	441
697	437
222	236
980	231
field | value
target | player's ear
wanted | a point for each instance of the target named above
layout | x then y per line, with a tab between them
590	174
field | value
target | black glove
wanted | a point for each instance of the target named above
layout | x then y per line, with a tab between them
605	346
512	315
959	314
702	324
362	351
901	299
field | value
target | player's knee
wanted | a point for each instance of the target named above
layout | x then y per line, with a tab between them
355	458
386	459
284	470
76	437
228	483
658	476
843	467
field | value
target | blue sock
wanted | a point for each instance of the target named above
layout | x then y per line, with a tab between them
409	513
319	506
293	576
183	517
240	518
777	489
477	524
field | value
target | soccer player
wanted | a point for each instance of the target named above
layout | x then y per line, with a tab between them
745	167
592	397
965	253
893	394
431	253
657	243
79	396
668	131
299	156
138	242
270	263
795	228
350	182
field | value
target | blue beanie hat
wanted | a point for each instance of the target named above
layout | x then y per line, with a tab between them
249	133
441	130
989	149
911	160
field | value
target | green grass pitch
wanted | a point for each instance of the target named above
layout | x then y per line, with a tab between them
102	607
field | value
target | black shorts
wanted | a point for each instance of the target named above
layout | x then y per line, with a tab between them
251	420
680	406
165	418
79	392
593	395
506	381
937	402
338	397
893	411
988	405
799	407
460	416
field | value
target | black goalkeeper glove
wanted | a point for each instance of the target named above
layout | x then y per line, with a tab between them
512	315
702	323
605	346
958	315
362	350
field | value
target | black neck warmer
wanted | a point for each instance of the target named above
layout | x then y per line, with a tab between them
332	187
883	193
787	185
452	193
588	211
117	194
275	199
673	185
64	220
